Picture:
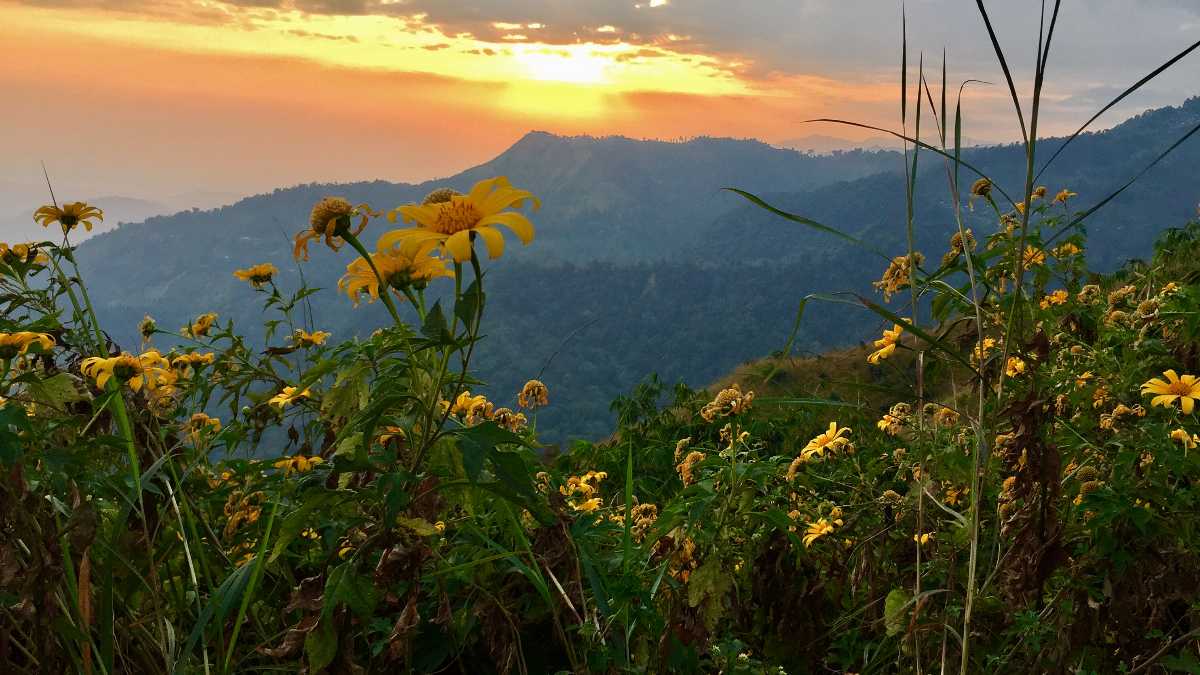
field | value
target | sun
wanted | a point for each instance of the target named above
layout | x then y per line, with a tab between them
570	65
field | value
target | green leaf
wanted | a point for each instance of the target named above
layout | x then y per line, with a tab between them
470	303
11	446
420	526
321	645
478	441
302	517
894	616
435	327
346	585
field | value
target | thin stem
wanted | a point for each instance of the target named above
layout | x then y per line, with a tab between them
384	287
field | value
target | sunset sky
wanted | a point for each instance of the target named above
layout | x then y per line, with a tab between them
160	98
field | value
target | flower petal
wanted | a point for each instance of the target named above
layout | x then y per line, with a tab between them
493	239
516	222
459	245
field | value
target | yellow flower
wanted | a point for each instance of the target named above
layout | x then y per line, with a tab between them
1014	367
1066	250
185	362
982	350
832	440
1039	192
200	425
1058	297
923	539
257	275
1063	195
22	253
329	218
1033	256
586	506
287	396
15	344
451	219
817	530
1181	437
1021	207
301	338
311	534
534	395
149	370
298	464
401	268
202	325
1185	388
69	216
886	344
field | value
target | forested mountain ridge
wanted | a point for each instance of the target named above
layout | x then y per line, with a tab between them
641	263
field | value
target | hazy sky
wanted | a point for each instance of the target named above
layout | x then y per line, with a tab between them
158	98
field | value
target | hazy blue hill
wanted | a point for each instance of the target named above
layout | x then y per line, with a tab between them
642	263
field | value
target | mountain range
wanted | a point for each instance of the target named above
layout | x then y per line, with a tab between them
642	263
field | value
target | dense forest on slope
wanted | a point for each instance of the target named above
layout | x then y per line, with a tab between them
642	263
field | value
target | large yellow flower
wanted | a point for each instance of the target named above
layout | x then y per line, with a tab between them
452	219
886	344
68	216
15	344
328	218
401	267
150	370
1186	388
257	275
832	440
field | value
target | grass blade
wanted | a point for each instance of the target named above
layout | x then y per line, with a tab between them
758	201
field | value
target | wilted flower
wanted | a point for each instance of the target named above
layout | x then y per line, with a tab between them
1181	437
200	425
201	326
728	402
687	465
1063	195
960	242
147	327
898	274
981	188
534	395
330	218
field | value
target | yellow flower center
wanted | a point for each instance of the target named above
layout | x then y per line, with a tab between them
456	215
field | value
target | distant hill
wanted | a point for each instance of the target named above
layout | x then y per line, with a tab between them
641	263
